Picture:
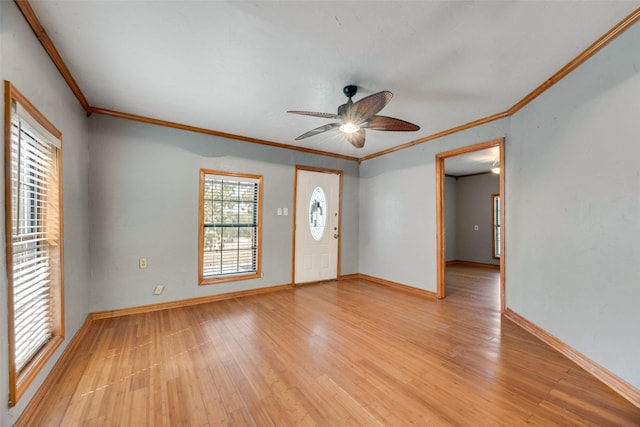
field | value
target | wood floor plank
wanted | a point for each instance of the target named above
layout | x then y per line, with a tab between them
350	353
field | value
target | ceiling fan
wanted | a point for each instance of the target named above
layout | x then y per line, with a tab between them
354	117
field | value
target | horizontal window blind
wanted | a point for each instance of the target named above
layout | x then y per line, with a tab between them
230	225
34	192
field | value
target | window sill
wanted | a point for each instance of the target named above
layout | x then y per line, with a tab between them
229	278
33	368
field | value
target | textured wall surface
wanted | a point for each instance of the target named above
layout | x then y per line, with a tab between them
25	64
398	213
573	209
474	207
450	218
144	204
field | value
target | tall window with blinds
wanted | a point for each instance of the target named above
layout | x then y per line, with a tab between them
495	200
34	246
229	226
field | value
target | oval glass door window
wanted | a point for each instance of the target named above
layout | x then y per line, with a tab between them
317	213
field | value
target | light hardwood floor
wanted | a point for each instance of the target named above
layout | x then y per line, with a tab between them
333	354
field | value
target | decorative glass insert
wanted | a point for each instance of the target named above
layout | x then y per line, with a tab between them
317	213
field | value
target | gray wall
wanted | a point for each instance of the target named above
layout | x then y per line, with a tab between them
25	64
450	219
397	199
572	205
144	203
573	209
474	207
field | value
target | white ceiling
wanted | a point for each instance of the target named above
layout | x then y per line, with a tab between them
238	66
472	163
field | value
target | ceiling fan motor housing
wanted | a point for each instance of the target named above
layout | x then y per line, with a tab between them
350	90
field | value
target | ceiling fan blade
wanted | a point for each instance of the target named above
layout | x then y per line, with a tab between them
356	138
389	123
318	130
370	105
313	113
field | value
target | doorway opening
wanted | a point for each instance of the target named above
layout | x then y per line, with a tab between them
441	176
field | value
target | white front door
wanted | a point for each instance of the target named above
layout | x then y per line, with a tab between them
317	221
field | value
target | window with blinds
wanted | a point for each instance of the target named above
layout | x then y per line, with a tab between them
34	244
495	199
229	226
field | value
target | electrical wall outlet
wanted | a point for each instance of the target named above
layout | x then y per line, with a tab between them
142	263
158	289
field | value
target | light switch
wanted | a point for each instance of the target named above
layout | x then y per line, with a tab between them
475	228
285	211
279	211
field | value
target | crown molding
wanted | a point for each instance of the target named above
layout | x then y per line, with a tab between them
51	50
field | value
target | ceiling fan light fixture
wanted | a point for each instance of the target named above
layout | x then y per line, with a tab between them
495	168
354	117
349	128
